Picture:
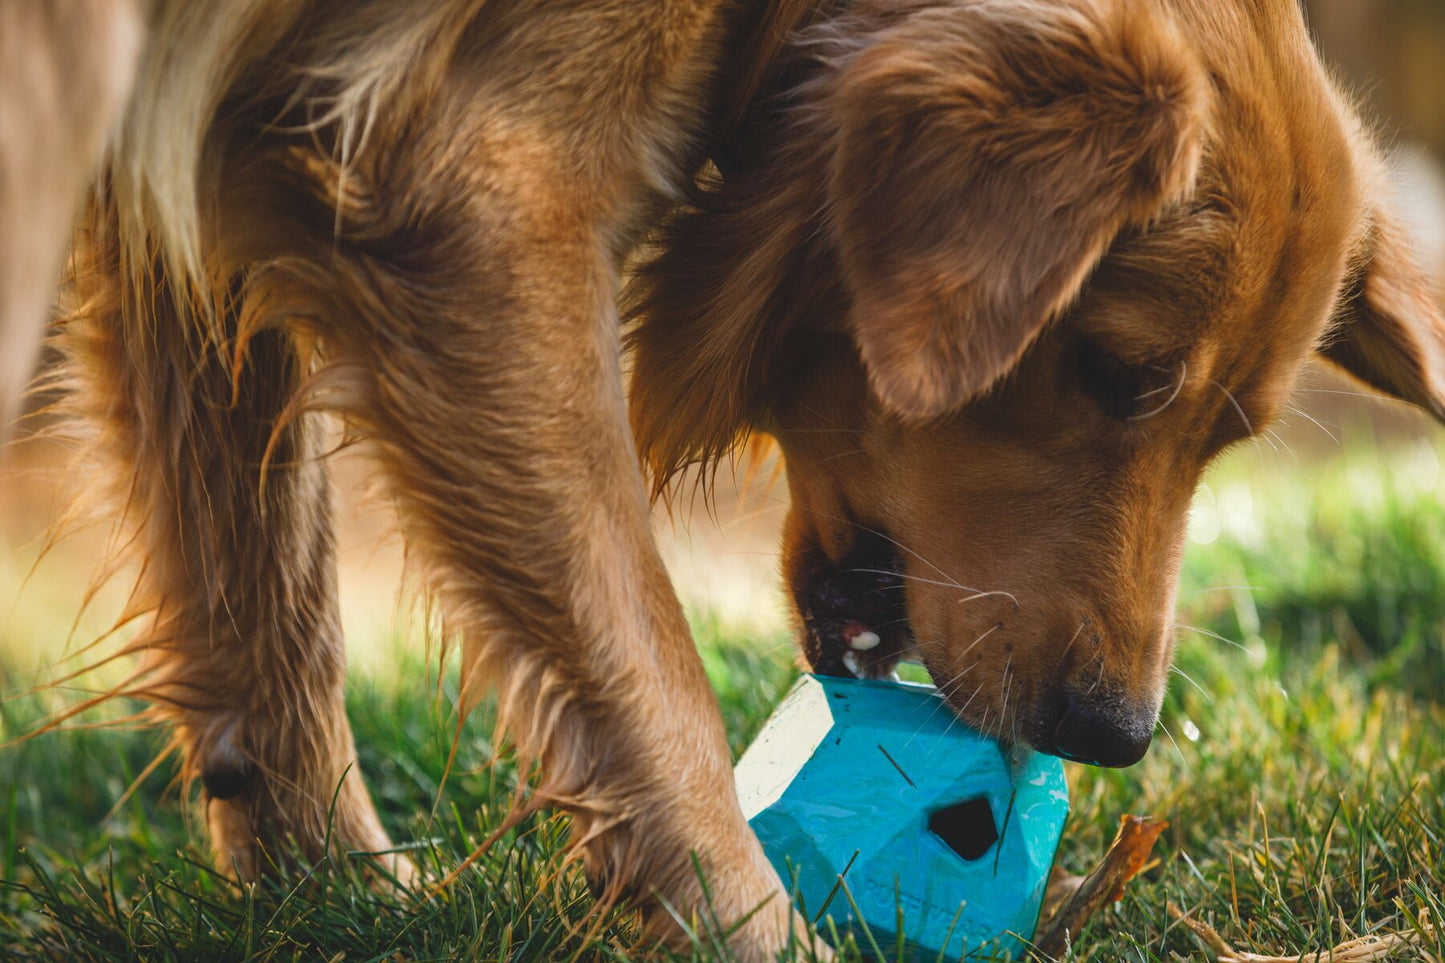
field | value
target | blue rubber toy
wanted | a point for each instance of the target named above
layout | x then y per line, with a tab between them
879	782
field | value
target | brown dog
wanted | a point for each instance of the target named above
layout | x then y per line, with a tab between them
1000	275
1002	282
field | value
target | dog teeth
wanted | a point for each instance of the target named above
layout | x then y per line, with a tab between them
863	641
850	662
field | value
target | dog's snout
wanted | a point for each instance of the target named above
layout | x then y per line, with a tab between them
1103	732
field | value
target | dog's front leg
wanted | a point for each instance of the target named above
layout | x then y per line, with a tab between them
492	387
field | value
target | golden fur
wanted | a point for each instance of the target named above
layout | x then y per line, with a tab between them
1001	283
949	254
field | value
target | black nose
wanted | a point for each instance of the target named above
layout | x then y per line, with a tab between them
1103	732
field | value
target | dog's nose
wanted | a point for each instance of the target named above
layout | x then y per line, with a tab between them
1103	733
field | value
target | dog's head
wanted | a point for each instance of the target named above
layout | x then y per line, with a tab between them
1002	277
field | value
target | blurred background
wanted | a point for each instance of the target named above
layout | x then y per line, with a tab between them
1310	686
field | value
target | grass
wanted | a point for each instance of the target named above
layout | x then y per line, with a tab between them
1302	770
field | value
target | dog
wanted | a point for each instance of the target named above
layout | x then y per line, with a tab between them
999	276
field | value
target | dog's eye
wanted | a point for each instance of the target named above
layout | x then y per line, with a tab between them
1112	383
1127	390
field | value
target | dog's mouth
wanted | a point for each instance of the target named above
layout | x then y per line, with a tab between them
854	614
854	610
855	624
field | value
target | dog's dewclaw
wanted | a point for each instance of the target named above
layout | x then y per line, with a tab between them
1127	856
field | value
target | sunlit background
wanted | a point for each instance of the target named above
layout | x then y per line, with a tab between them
1312	608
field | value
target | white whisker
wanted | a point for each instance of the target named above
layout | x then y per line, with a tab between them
977	593
1212	635
911	578
984	595
896	544
943	692
990	631
1361	394
958	716
951	684
1282	443
1073	638
1226	588
1184	374
1177	750
1007	685
1188	678
1316	422
1239	410
947	580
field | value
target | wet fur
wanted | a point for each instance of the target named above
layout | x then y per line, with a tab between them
378	212
417	219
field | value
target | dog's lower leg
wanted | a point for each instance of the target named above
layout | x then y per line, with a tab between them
500	419
241	647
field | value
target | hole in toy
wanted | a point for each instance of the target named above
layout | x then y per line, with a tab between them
967	827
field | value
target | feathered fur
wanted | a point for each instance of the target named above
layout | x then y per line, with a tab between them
941	249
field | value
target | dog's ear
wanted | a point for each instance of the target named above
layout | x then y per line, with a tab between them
1390	331
987	155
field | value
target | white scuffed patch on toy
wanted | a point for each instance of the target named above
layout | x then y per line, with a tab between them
864	640
787	741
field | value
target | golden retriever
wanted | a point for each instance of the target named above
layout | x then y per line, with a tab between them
1001	277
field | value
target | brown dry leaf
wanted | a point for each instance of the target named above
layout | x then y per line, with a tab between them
1069	905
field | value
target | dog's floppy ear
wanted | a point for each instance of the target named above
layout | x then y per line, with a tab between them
1390	331
986	157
